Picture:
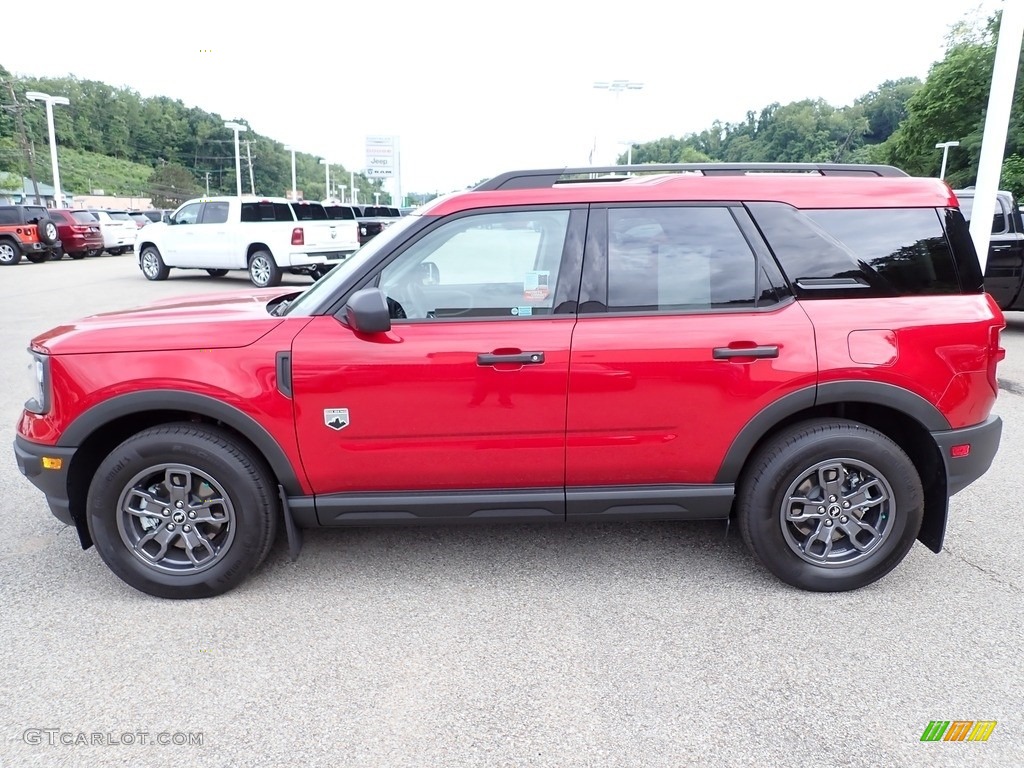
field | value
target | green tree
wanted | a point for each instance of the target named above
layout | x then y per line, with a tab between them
171	184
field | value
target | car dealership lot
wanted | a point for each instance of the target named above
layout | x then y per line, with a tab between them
659	644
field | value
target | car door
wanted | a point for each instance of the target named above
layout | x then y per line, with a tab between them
178	240
686	333
213	244
462	404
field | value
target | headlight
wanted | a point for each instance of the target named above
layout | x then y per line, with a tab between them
39	374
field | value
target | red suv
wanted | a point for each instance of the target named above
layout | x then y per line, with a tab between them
80	234
809	351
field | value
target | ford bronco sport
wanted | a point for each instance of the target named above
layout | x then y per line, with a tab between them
807	349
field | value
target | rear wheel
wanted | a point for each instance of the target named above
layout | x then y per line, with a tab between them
152	264
830	505
263	270
56	254
78	255
37	257
182	511
10	252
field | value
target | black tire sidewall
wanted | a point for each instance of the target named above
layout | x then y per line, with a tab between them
762	499
249	497
41	227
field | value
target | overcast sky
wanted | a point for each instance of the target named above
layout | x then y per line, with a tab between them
475	88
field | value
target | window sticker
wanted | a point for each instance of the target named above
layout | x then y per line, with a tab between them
535	285
522	311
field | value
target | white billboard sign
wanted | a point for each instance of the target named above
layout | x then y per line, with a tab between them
380	156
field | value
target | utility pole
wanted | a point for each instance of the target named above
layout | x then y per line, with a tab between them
29	155
207	183
248	152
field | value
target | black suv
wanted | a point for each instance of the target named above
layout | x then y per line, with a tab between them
29	230
1004	268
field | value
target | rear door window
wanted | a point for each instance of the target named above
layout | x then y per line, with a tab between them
867	252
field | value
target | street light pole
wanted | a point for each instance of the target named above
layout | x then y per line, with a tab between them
343	188
237	128
327	183
617	87
944	146
58	195
295	194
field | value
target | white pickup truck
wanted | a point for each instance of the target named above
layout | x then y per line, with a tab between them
266	236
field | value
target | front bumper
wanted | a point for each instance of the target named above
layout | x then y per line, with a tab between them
52	482
983	440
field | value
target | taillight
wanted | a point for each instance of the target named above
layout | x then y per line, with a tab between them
80	230
298	236
996	354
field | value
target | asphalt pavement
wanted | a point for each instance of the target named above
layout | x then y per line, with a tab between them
594	645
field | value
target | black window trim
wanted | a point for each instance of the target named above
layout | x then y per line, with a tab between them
566	287
594	279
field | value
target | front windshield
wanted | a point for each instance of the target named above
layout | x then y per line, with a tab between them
330	282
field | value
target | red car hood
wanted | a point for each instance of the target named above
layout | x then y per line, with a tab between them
208	321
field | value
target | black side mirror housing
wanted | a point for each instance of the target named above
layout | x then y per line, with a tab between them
367	311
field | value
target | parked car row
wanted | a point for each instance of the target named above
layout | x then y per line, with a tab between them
40	234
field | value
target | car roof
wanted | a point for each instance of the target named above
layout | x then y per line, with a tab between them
798	190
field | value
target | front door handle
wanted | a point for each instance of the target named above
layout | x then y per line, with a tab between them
518	358
726	353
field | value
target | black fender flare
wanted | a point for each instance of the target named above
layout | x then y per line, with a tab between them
173	400
876	393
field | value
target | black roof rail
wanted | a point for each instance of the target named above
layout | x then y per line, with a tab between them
535	179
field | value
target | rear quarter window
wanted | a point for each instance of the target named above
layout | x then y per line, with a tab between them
863	252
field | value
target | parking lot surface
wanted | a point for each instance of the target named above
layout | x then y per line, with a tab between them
605	645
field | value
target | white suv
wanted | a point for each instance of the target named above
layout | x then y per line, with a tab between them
118	228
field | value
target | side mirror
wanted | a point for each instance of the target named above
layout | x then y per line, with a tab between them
367	311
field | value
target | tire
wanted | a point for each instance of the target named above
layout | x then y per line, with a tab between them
47	231
56	254
216	272
37	258
10	253
816	544
95	252
182	473
152	264
263	270
77	255
115	251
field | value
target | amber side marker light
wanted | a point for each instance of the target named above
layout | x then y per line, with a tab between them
50	463
959	451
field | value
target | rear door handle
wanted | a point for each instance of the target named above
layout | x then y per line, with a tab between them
519	358
726	353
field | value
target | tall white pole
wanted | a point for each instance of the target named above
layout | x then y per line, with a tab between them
58	195
997	120
295	196
237	128
352	187
252	183
327	182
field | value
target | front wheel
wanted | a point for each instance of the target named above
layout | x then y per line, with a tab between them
152	264
830	505
263	270
182	511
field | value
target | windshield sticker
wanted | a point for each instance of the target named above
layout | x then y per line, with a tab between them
535	285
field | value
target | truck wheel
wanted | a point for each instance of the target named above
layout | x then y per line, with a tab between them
216	272
47	231
263	270
10	252
182	511
830	505
152	264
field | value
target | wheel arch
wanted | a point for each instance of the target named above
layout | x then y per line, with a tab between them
100	429
254	247
905	417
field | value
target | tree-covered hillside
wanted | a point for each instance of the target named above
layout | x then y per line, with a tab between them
116	140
